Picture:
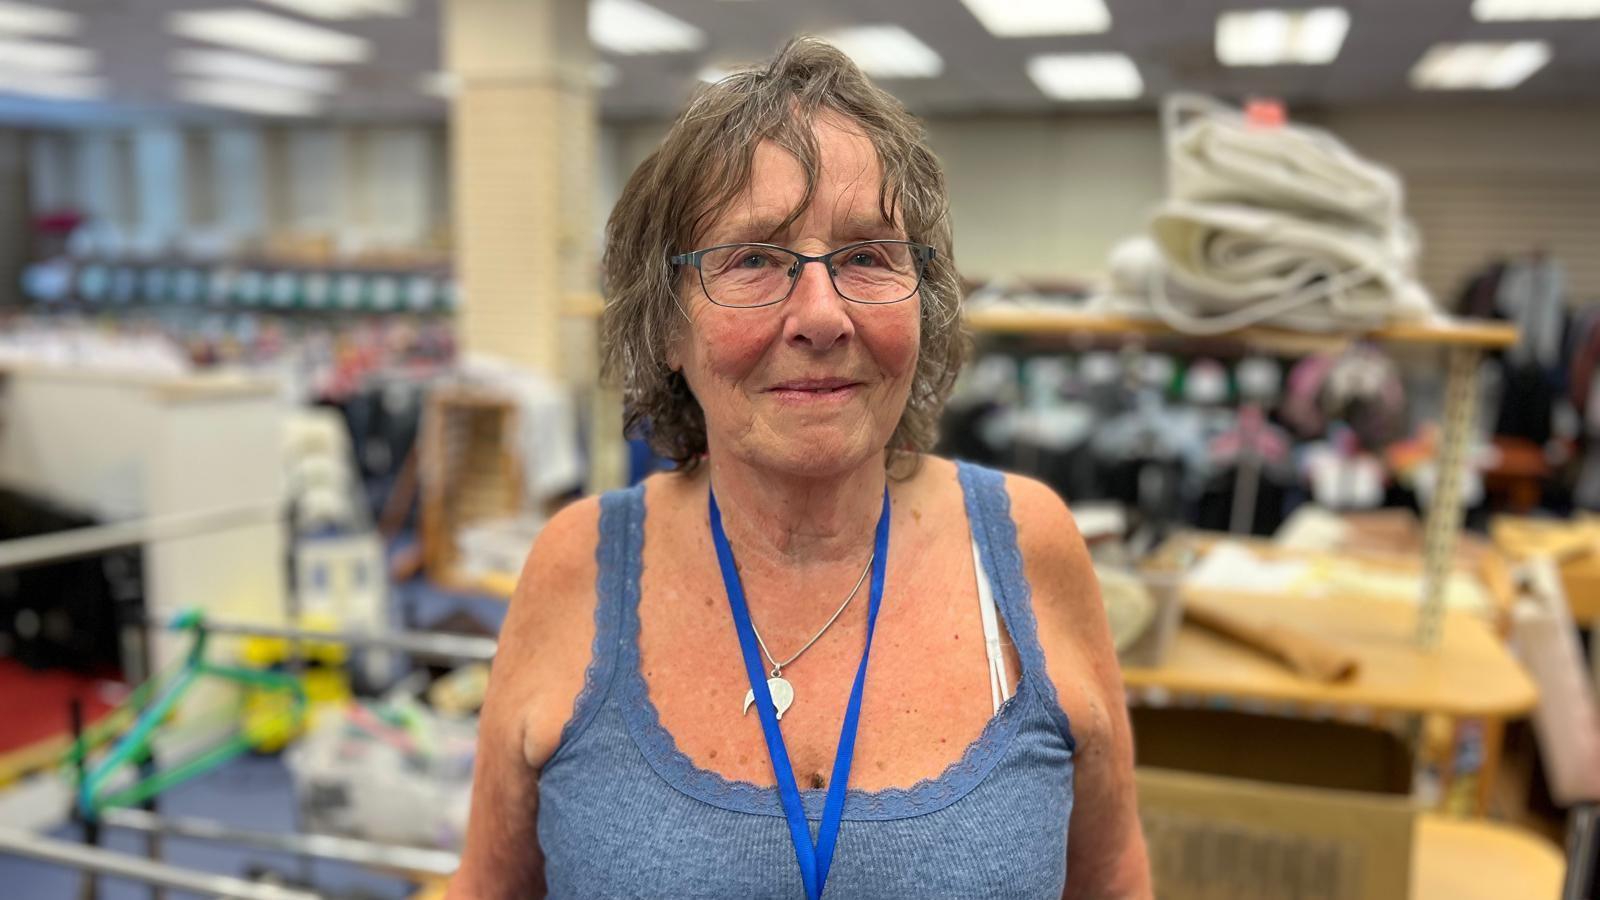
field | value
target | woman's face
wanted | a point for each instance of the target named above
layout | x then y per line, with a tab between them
815	384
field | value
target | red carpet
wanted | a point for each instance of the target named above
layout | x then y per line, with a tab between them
34	705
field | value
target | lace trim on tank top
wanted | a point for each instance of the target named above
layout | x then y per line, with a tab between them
616	655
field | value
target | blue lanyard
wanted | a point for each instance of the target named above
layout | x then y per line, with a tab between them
815	859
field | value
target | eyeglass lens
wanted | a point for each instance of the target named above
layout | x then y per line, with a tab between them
755	275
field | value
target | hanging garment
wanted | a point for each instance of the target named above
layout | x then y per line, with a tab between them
1342	477
1477	299
1533	295
1215	510
1527	398
1360	386
1583	358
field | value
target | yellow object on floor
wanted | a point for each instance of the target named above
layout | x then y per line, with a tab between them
322	676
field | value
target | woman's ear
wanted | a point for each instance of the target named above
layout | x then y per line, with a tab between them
675	352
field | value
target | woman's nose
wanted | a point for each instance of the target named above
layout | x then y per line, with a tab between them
817	318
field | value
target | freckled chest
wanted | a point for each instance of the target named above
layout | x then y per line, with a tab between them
927	693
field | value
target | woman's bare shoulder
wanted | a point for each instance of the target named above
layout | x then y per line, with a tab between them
1046	530
545	641
1072	627
1066	594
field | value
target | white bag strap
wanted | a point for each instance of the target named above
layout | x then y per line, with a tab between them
999	679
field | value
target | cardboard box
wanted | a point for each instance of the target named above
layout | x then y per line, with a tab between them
1213	838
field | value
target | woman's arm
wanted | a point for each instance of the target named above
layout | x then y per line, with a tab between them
1105	847
538	671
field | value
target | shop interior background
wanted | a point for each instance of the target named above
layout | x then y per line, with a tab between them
298	330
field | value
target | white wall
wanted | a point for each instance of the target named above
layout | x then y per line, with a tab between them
1482	183
1046	197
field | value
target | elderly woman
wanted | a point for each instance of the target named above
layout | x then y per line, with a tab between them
811	657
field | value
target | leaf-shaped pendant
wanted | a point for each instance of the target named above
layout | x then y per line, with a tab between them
781	691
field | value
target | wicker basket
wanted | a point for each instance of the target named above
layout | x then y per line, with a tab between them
469	470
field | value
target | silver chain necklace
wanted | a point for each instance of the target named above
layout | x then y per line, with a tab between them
779	687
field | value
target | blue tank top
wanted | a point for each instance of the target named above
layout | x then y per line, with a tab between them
623	813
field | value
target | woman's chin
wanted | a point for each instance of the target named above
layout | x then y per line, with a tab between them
818	455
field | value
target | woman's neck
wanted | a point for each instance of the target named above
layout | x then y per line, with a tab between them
786	519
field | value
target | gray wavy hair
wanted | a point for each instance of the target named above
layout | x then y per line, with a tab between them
702	165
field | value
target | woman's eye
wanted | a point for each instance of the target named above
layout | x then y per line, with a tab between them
863	258
753	261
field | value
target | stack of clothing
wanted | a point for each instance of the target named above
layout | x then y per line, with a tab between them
1268	224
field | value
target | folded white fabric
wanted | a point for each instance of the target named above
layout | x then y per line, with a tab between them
1268	224
1214	154
1240	265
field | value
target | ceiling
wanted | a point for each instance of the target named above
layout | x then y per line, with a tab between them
1170	40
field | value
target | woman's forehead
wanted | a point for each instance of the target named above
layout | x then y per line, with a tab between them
846	197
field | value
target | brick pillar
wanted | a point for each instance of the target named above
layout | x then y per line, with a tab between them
522	127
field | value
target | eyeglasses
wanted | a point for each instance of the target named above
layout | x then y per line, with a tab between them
750	275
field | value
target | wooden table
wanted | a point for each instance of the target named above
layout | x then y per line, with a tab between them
1574	544
1454	859
1470	676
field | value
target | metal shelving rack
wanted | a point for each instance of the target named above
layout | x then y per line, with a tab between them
1463	340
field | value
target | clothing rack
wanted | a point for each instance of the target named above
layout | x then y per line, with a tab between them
1463	340
454	647
156	874
412	860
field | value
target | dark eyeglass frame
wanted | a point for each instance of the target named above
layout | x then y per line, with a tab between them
923	254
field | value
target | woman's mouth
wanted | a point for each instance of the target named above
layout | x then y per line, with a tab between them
821	390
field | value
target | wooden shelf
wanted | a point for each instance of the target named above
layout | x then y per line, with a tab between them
1481	334
1444	332
1466	860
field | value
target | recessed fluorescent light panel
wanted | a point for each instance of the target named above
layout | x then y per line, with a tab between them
246	97
231	65
55	87
262	32
45	58
1086	76
344	9
887	51
630	28
1028	18
1281	37
1532	10
1479	66
25	18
